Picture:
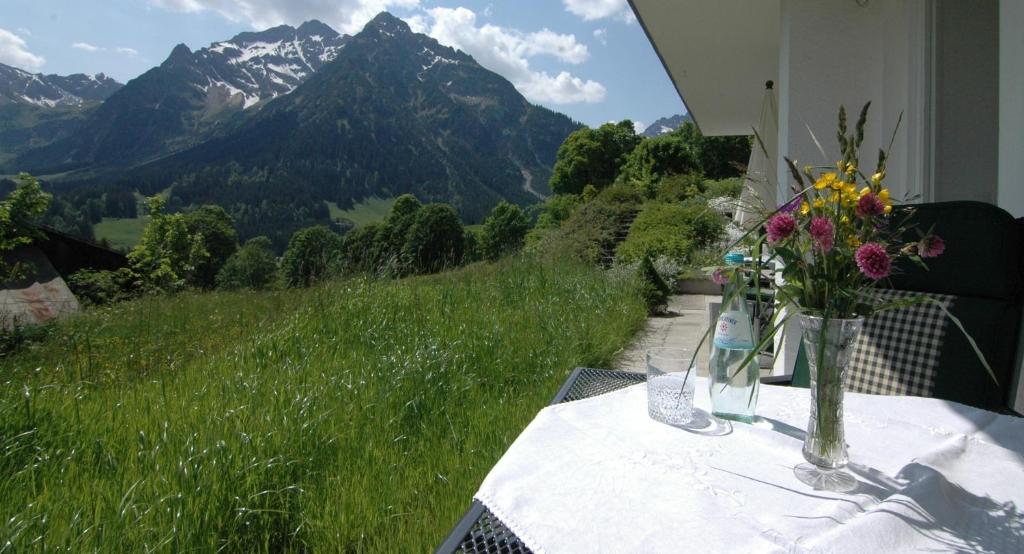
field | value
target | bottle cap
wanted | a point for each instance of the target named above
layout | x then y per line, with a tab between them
734	258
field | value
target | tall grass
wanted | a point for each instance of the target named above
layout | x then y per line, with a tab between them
355	416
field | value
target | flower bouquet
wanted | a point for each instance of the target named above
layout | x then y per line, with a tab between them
837	238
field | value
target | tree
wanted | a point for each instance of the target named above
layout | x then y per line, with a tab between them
309	256
592	157
217	232
656	158
23	204
167	256
717	157
504	231
251	267
436	239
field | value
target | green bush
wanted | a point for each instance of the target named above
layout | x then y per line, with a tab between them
311	253
653	288
504	231
435	240
99	287
731	187
556	209
677	188
252	267
589	234
674	230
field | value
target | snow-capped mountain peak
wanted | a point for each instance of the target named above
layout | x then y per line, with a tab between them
21	87
256	66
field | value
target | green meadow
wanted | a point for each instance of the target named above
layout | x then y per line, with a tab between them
357	415
368	211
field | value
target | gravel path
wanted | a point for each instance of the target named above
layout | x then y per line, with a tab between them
682	327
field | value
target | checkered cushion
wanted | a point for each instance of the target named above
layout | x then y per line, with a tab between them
898	350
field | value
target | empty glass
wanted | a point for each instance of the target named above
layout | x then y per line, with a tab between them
671	373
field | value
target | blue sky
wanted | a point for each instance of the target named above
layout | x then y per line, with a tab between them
588	59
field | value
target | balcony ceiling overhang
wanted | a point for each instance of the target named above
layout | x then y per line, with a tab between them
718	53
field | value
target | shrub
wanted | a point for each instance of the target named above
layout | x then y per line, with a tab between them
653	288
99	287
471	251
588	235
558	208
436	240
253	266
672	230
310	254
731	187
676	188
504	231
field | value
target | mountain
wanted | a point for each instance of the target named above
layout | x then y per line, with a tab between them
35	89
190	97
666	125
395	112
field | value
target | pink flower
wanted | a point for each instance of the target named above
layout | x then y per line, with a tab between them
931	246
720	276
869	205
821	231
780	226
872	260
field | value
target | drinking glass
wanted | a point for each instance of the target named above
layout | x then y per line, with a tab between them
671	373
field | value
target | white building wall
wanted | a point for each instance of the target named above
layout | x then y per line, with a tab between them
1011	131
840	52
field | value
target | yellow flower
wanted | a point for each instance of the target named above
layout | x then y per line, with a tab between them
844	219
888	209
876	179
864	191
825	180
883	195
841	166
850	168
805	208
819	202
833	198
853	241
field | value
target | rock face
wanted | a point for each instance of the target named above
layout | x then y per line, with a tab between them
48	91
666	125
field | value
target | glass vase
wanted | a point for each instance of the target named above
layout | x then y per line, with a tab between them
828	344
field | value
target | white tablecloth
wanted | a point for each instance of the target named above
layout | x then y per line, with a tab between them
598	475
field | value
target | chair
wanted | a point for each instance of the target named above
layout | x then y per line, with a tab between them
980	279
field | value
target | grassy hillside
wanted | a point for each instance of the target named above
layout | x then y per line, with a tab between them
355	416
123	232
368	211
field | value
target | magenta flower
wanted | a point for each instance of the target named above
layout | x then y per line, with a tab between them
821	231
869	205
931	246
780	226
872	260
720	276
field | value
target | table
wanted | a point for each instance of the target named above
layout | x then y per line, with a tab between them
577	480
479	530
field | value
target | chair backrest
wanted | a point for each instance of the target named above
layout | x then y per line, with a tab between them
980	280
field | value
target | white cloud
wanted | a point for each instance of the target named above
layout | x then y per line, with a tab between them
639	127
86	46
591	10
346	16
601	35
23	32
506	51
126	51
14	51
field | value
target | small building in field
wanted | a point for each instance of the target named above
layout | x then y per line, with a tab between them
42	294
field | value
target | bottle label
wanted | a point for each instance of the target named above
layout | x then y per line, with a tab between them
733	331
